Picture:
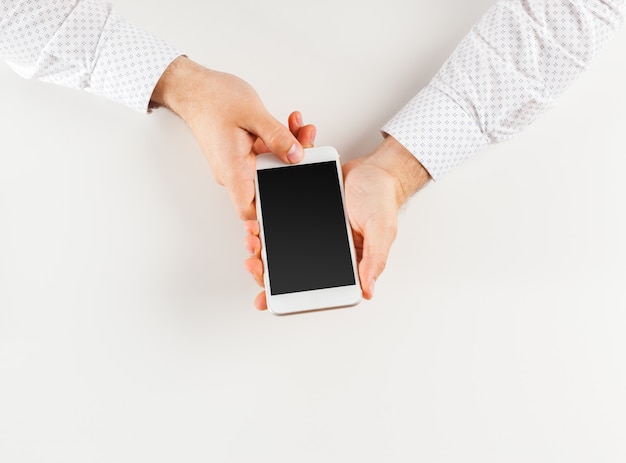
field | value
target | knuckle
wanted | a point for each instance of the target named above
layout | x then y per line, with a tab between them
246	212
275	139
382	263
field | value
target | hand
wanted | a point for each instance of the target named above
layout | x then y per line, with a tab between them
231	126
376	186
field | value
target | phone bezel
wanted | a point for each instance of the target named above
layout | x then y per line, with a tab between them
312	300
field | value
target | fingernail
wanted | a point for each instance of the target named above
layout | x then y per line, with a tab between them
295	154
372	287
313	135
299	120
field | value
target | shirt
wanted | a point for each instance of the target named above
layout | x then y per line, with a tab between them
512	66
83	44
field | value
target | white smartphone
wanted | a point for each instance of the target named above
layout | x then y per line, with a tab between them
306	241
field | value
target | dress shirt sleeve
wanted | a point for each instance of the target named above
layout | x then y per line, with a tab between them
513	65
83	44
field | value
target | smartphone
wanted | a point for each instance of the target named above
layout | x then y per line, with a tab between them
306	241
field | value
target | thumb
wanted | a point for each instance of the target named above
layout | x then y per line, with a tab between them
278	139
378	236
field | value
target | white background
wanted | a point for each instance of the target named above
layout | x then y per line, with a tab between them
127	331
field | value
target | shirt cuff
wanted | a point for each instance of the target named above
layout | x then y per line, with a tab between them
129	64
437	130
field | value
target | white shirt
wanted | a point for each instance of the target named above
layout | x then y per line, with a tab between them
511	67
83	44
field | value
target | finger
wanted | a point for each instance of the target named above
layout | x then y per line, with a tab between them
277	138
259	147
260	302
254	266
238	178
304	133
242	197
252	227
234	167
294	121
358	245
306	136
253	245
378	237
295	124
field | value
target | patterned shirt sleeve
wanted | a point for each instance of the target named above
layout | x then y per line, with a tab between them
513	65
83	44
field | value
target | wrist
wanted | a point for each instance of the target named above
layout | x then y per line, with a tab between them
163	93
408	173
198	94
178	87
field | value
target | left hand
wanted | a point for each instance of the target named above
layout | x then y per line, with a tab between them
376	187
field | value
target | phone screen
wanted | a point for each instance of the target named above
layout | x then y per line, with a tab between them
306	240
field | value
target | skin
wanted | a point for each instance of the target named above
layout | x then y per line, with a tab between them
376	187
232	126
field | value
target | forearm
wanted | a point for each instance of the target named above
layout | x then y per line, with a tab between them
112	57
513	65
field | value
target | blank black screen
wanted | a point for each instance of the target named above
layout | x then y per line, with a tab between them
306	240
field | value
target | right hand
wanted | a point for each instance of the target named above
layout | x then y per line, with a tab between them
376	187
231	126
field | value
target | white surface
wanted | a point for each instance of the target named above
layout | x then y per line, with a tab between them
127	331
